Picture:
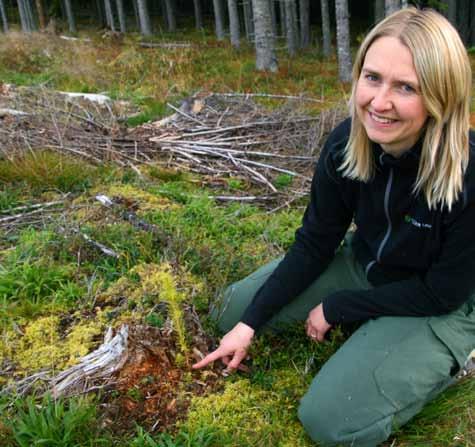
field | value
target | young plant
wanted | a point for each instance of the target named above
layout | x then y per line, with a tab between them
160	281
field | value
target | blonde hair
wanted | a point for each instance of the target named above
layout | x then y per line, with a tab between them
445	78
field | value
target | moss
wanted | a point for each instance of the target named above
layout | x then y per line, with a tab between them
8	344
43	347
81	340
245	414
40	347
121	288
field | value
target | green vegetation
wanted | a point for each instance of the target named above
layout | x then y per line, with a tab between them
152	77
58	294
54	423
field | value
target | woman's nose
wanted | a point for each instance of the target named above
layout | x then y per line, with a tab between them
381	100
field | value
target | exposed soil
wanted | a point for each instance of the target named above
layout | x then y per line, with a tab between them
152	390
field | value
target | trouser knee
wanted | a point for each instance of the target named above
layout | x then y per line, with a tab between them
330	424
231	305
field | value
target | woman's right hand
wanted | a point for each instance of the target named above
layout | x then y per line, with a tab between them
233	348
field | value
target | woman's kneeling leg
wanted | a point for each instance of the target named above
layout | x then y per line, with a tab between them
379	379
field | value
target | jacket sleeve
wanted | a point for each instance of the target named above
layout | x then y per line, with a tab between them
324	224
448	283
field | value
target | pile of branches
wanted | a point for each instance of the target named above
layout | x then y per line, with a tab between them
232	135
219	135
39	119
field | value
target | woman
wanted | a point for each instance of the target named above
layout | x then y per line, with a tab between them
403	169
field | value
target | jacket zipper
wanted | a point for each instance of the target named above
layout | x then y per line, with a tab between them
386	210
388	218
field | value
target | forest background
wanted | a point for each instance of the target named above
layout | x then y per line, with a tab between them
151	153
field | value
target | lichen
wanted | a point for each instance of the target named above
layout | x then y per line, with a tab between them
247	414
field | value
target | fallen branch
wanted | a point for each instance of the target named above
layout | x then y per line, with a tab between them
267	95
165	45
20	216
128	215
98	365
12	112
93	97
107	251
34	206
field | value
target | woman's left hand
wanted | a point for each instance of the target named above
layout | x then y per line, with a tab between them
316	325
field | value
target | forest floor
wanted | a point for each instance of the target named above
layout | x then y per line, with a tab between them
180	221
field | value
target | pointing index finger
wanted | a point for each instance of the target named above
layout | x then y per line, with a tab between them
216	354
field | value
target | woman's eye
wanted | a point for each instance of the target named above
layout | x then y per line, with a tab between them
371	77
408	88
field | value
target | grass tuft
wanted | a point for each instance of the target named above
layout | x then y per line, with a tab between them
54	423
44	170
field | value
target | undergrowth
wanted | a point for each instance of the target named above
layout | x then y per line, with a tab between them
152	77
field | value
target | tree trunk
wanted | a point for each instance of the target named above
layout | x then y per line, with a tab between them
295	21
26	16
291	26
70	16
121	14
304	23
472	26
463	20
343	40
109	15
452	12
326	34
25	27
198	14
404	3
273	17
392	6
170	12
248	20
30	15
100	13
41	14
266	58
136	14
218	19
283	21
4	17
233	23
379	10
145	27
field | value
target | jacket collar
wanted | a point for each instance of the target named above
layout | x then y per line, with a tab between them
409	160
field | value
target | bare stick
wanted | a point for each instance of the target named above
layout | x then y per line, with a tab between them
37	205
267	95
185	114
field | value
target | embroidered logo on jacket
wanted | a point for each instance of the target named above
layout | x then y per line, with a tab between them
410	220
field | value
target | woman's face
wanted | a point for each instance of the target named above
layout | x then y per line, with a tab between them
388	98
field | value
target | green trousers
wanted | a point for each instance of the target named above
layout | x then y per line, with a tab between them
382	375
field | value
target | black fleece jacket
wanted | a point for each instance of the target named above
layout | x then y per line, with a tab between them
421	262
